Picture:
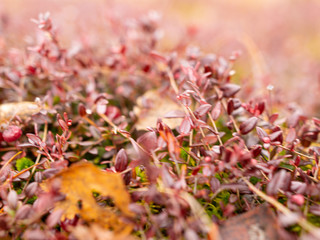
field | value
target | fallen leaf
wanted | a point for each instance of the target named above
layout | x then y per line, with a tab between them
79	182
95	232
21	109
153	105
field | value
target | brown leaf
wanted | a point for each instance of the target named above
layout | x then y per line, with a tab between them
21	109
78	183
153	105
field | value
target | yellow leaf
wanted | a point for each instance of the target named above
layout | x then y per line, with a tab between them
95	232
21	109
79	182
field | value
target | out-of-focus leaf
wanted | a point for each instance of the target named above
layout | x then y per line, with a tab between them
259	223
185	126
79	182
291	136
203	110
216	111
148	141
153	105
21	109
261	134
172	143
248	125
230	89
281	180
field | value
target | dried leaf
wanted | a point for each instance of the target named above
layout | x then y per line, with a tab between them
78	183
153	105
21	109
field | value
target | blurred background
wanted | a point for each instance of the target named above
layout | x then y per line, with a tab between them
279	39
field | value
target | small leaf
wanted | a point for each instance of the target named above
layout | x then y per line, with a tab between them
121	161
273	117
291	136
185	126
202	110
230	89
261	134
230	106
216	111
281	180
148	141
248	125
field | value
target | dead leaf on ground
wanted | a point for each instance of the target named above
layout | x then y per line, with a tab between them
21	109
153	105
259	223
95	232
79	182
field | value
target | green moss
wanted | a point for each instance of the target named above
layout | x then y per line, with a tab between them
23	163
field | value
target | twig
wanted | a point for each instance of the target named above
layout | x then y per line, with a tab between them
10	160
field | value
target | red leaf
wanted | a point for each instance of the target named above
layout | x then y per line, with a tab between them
216	111
261	134
248	125
281	180
185	126
202	110
230	106
276	137
121	161
148	141
273	117
230	89
293	120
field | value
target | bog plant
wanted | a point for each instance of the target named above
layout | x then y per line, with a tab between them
223	156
